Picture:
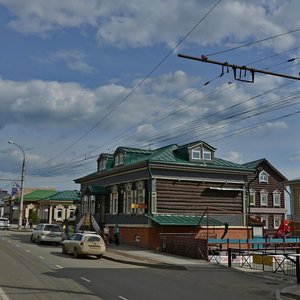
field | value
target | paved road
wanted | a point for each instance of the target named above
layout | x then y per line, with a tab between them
31	271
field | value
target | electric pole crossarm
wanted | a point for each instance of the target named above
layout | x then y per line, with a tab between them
236	67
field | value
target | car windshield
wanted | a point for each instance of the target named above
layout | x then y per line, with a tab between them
93	239
52	228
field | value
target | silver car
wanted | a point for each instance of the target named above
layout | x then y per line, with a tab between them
4	224
50	233
84	244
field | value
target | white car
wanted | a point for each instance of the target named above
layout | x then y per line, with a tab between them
50	233
4	224
84	244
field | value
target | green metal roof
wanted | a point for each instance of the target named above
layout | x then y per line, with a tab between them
170	154
38	195
70	195
183	220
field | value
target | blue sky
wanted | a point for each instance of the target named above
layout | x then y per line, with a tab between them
79	78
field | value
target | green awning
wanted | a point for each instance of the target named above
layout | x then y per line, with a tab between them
183	220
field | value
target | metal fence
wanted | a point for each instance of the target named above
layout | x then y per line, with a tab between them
283	260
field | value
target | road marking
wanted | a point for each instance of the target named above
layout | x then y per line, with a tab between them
41	257
85	279
18	245
60	267
122	298
3	295
28	251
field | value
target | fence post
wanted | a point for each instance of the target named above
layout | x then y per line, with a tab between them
229	253
297	266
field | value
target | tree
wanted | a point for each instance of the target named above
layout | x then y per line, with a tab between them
33	216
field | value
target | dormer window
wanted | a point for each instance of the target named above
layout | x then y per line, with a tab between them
102	164
263	177
119	159
201	153
196	153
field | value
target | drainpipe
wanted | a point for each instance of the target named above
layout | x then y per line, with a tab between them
291	202
248	199
150	187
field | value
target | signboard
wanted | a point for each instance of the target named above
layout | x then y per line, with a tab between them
262	259
138	205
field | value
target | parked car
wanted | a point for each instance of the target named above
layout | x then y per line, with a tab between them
50	233
4	224
84	244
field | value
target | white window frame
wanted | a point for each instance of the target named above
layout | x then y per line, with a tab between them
263	177
128	199
119	159
205	153
252	199
276	198
196	154
264	194
276	218
114	201
102	164
264	219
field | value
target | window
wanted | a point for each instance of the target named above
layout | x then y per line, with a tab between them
102	164
201	153
119	159
264	220
263	177
59	213
277	222
264	198
252	197
128	199
196	154
206	154
114	201
276	198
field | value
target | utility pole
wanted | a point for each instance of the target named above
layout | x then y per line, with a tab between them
240	72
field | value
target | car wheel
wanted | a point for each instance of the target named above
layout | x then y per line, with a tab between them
39	241
76	254
99	256
31	239
64	251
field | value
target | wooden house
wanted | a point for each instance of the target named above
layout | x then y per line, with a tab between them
169	189
266	201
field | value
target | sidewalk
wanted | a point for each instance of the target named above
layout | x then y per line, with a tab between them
141	257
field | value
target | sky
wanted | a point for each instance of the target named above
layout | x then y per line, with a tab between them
83	77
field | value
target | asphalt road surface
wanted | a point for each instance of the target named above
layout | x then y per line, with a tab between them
31	271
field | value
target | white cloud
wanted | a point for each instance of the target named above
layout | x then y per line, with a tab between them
143	23
235	156
74	60
295	157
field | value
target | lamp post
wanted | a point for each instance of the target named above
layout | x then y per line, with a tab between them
22	184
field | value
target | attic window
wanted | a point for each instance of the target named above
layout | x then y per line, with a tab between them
263	177
201	153
102	164
119	159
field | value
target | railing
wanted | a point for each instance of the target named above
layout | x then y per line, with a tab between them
282	260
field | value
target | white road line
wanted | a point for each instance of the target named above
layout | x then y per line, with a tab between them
85	279
122	298
28	251
18	245
41	257
3	295
60	267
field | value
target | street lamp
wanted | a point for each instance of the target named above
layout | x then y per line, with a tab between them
22	184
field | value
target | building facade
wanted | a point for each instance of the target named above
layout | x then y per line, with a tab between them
170	189
266	201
